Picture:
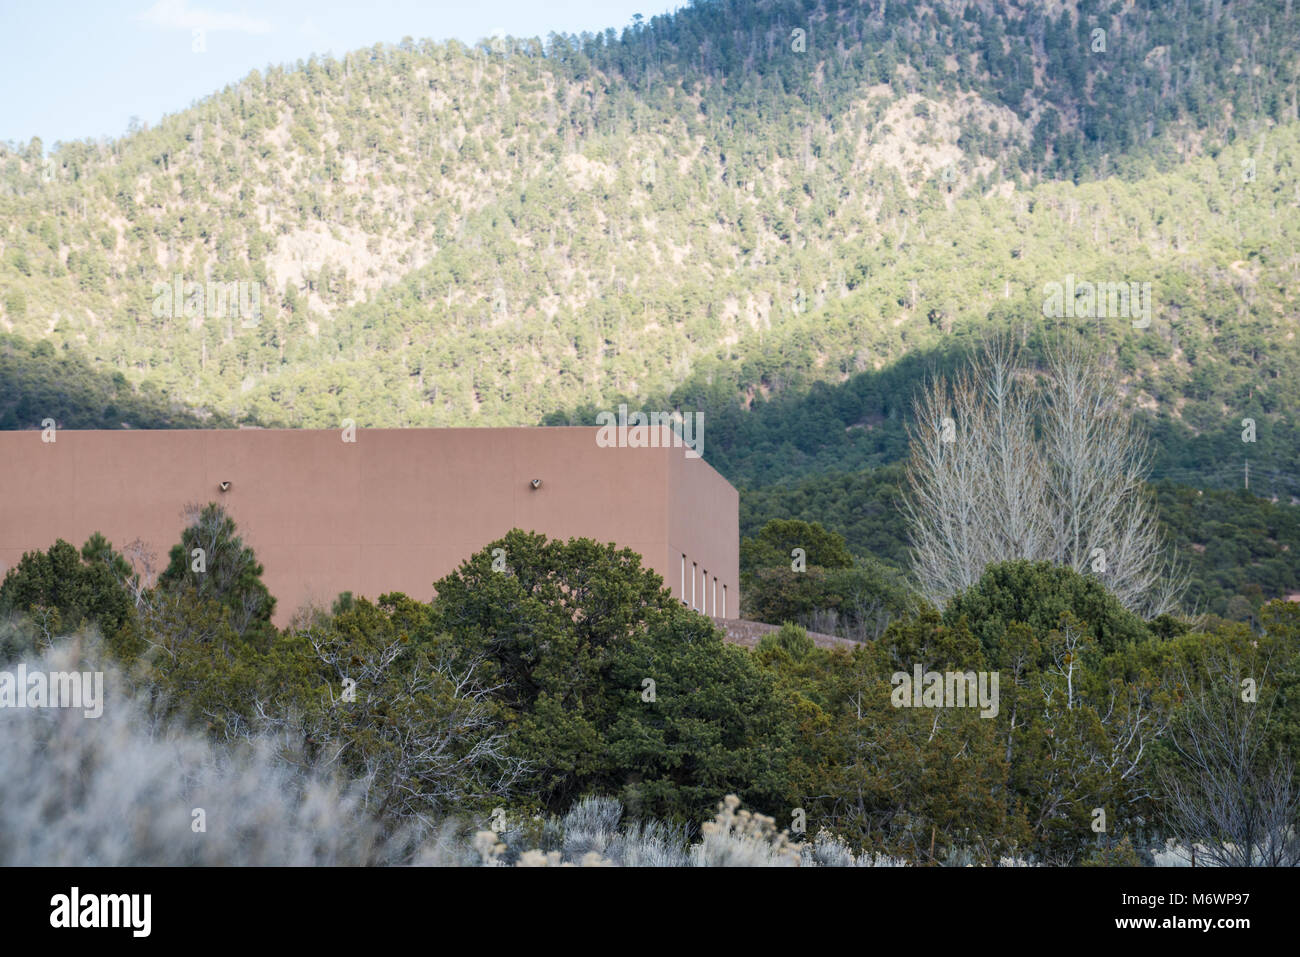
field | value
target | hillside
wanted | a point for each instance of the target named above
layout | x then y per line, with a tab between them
442	234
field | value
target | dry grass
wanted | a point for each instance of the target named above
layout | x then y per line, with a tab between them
121	790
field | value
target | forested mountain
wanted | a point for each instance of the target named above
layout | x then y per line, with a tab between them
782	213
37	382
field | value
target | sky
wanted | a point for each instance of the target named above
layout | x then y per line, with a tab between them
77	69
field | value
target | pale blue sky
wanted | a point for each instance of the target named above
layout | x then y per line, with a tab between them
71	70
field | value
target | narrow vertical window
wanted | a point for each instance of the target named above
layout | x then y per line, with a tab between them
724	601
694	569
683	579
715	596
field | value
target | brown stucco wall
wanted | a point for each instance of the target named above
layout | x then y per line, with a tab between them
703	526
394	511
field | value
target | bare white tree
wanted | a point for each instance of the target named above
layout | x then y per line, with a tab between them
420	731
1006	464
1229	797
144	566
1104	522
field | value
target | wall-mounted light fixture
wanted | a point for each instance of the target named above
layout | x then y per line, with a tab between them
536	483
224	486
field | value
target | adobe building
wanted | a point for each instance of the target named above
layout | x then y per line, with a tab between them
392	510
